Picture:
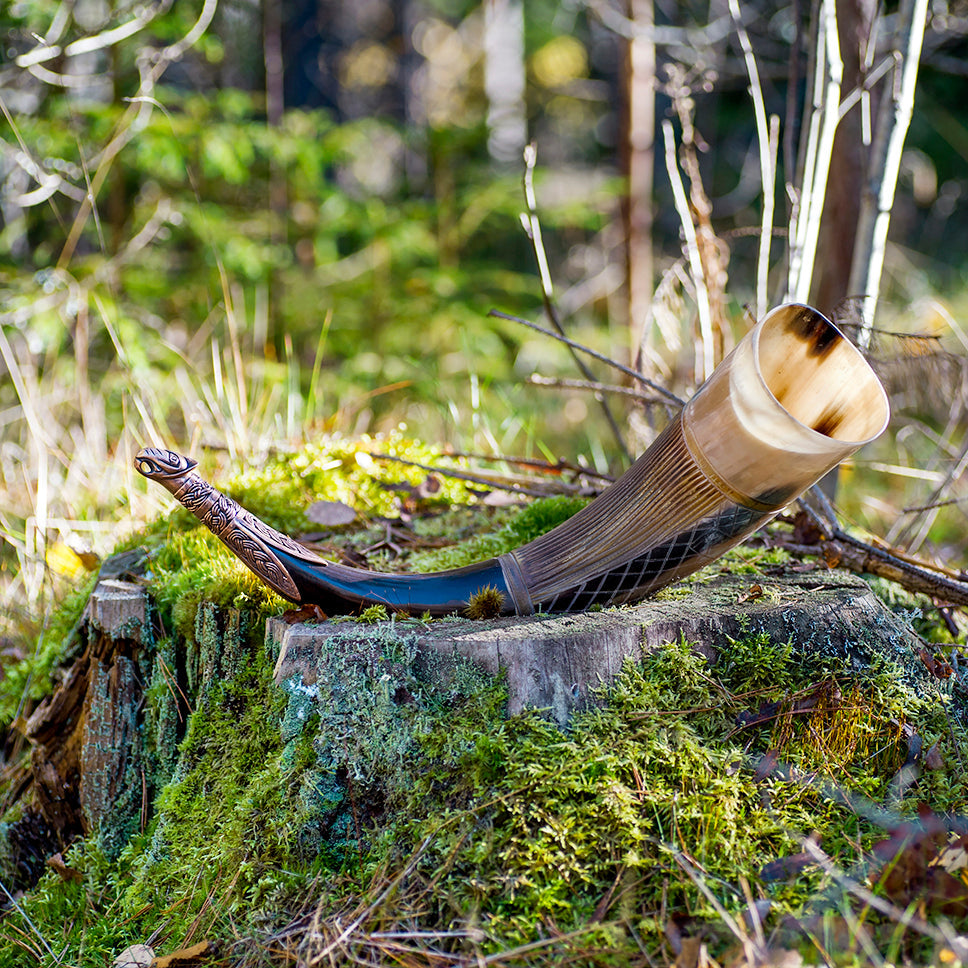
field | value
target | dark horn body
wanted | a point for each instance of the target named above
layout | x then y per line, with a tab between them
788	404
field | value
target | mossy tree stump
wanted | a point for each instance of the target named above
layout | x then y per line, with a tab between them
85	770
558	662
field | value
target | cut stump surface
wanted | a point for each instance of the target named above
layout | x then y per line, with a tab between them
556	662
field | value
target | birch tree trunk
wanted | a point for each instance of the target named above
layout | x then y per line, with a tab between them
639	150
504	79
878	196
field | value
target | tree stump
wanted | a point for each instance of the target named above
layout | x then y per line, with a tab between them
86	763
556	662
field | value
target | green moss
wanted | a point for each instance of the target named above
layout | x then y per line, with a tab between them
223	824
529	824
194	567
341	469
752	559
525	525
384	763
371	615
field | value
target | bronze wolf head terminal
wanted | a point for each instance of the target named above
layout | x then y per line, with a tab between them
792	400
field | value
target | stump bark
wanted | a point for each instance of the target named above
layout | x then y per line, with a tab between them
85	771
556	663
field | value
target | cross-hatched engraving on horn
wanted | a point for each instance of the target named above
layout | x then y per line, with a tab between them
642	574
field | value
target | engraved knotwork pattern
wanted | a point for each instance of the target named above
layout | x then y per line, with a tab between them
237	530
260	559
210	506
277	538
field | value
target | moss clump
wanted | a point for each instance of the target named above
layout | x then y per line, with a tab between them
527	524
486	603
224	822
194	567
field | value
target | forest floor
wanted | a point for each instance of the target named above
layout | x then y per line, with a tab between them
777	793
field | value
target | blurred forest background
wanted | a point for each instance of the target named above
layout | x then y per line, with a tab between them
239	225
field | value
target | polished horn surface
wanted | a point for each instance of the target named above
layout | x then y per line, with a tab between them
791	401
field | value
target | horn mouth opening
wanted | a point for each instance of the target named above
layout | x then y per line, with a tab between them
793	399
818	377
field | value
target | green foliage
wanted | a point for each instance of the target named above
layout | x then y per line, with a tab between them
72	913
206	162
193	568
351	471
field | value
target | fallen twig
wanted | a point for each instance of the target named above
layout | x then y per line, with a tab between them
839	548
516	487
559	466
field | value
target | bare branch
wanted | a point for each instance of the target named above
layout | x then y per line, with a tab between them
841	549
532	226
593	386
805	225
767	134
668	394
692	250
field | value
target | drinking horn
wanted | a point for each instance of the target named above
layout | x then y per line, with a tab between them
791	401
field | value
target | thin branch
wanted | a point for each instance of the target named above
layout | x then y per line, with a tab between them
532	226
906	917
922	523
593	386
841	549
594	354
697	38
871	78
515	487
46	50
152	66
692	248
767	134
823	127
555	467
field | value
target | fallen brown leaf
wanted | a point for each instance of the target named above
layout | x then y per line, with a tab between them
65	873
197	954
305	613
916	861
